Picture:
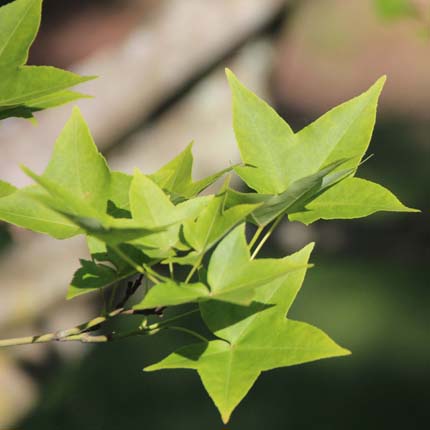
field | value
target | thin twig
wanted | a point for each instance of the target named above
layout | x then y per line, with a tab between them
81	332
266	236
132	287
256	236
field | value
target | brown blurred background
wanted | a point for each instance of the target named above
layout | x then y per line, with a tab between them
161	85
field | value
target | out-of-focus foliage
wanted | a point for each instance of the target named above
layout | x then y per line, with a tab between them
394	9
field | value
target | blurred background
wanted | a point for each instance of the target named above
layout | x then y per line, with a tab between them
161	85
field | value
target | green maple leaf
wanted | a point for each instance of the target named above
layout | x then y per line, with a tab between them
214	222
275	157
150	204
79	176
392	9
176	177
251	340
72	194
232	276
26	89
95	223
77	165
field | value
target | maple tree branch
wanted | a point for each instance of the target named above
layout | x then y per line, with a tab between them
81	333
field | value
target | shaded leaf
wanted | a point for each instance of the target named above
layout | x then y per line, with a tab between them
90	277
295	196
105	269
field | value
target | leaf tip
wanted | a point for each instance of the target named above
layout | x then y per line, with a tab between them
225	416
231	78
344	352
413	210
90	78
379	84
76	112
150	368
228	72
310	246
27	171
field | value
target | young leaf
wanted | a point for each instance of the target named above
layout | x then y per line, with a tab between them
351	198
232	276
176	177
25	89
252	339
276	157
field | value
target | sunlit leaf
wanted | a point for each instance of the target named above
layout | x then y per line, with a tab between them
232	276
176	177
22	209
351	198
214	222
251	340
